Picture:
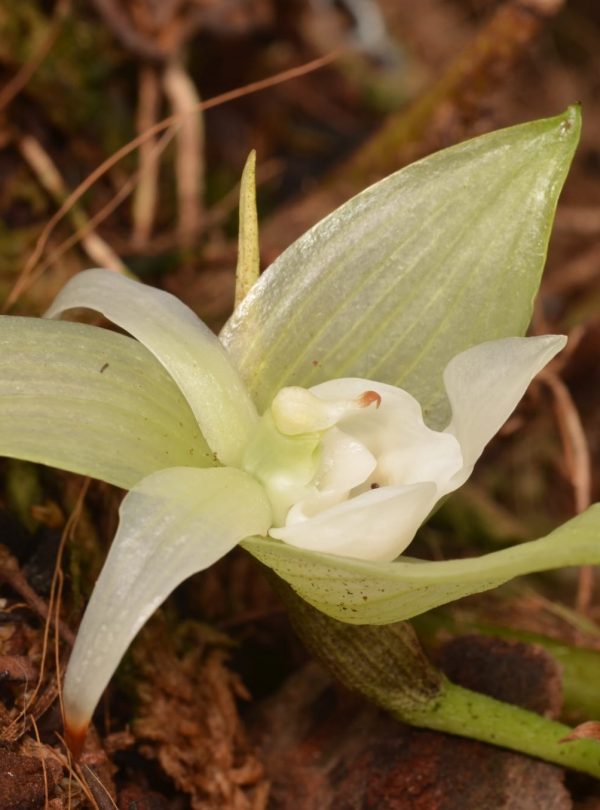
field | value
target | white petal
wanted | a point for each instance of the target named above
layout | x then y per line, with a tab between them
345	462
189	351
484	385
377	525
174	523
407	451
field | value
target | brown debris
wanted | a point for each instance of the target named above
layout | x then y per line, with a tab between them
327	750
188	721
26	782
523	674
585	731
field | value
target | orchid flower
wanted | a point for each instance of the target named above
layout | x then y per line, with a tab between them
348	467
325	483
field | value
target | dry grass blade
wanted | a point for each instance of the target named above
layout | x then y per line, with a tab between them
23	281
189	157
578	466
146	192
49	177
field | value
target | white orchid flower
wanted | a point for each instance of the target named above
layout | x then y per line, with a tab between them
347	467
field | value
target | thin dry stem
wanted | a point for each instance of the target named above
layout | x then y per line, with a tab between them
146	192
23	280
189	156
49	177
579	467
99	217
53	613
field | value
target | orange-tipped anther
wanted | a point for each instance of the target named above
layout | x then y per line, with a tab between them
368	398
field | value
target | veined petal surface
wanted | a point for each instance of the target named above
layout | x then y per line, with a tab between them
484	385
189	351
91	401
173	523
364	592
436	258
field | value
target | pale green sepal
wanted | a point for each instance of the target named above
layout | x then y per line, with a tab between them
172	524
248	263
91	401
362	592
188	350
284	465
438	257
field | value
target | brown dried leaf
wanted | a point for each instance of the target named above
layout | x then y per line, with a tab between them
584	731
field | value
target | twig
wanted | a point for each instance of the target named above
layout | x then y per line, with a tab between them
23	281
48	175
578	464
125	31
126	188
189	157
146	192
11	575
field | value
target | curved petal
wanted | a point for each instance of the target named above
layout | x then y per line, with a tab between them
484	385
189	351
91	401
377	525
173	524
407	451
366	592
345	462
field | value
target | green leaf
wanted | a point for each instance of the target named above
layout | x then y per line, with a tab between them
361	592
91	401
438	257
172	524
248	264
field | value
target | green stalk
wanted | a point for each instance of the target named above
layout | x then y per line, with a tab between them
387	665
471	714
580	667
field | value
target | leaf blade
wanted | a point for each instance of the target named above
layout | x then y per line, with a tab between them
392	266
91	401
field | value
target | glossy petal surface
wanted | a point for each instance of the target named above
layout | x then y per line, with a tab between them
172	524
189	351
439	257
485	383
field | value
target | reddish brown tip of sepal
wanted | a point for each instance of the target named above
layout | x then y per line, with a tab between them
75	739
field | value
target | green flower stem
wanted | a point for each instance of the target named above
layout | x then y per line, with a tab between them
470	714
388	666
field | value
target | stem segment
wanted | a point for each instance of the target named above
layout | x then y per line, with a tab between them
387	665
